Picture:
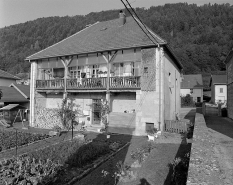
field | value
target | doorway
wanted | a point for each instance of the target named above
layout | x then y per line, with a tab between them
96	111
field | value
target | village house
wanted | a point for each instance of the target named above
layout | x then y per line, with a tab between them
192	85
218	84
120	61
229	68
6	78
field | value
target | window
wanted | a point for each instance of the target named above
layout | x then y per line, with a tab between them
95	71
221	90
145	71
75	72
119	69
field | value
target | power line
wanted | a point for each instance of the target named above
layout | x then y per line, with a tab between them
138	23
139	20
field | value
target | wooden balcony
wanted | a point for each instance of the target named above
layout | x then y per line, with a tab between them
127	82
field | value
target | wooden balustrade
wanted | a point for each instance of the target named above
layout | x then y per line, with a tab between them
50	84
127	82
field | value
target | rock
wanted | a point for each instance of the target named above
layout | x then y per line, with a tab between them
53	133
136	164
79	136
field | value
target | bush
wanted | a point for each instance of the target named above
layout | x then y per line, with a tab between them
88	153
59	152
187	101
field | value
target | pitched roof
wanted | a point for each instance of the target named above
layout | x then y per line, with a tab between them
4	74
192	82
218	79
10	94
23	89
101	36
9	107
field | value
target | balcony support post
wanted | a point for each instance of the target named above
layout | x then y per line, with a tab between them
109	58
66	63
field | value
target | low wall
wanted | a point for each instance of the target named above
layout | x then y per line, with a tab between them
204	167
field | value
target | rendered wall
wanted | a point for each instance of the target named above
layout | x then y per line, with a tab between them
220	96
196	93
172	88
123	101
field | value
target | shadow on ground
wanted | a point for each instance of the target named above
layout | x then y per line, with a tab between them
222	125
96	177
183	149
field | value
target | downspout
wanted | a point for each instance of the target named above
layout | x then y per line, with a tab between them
159	87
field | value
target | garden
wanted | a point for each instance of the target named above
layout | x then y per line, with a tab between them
57	164
9	139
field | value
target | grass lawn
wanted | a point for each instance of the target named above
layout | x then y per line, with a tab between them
155	169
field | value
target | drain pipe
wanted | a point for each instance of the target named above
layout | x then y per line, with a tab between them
159	62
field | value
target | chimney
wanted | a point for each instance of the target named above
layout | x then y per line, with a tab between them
122	18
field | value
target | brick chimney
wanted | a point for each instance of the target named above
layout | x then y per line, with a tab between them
122	18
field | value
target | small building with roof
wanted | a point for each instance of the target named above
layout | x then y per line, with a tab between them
218	84
229	68
192	85
6	78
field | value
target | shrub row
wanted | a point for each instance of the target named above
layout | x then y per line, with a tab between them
8	139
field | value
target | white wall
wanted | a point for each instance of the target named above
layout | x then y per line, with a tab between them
220	96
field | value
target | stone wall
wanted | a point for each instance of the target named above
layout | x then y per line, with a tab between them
148	70
230	100
46	118
203	166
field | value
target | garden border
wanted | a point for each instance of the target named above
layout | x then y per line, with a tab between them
86	172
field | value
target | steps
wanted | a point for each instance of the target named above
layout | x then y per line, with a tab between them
94	128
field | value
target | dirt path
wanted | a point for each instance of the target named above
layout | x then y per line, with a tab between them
222	132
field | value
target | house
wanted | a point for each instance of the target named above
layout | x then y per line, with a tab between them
192	85
24	78
6	78
229	68
218	84
120	61
16	94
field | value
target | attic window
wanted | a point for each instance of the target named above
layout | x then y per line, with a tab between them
102	29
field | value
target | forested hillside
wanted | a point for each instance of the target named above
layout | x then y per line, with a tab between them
201	36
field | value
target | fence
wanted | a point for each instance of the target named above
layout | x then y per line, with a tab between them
176	126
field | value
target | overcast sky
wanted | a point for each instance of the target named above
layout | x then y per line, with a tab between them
20	11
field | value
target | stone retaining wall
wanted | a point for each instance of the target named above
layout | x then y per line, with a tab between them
204	167
46	118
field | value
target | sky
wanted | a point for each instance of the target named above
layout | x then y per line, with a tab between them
19	11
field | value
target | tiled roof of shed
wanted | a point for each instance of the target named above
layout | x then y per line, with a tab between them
4	74
25	89
101	36
10	94
192	82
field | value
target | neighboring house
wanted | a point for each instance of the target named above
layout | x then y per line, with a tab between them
16	94
6	78
114	61
24	78
229	68
218	84
193	85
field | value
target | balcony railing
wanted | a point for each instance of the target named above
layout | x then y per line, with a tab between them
127	82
